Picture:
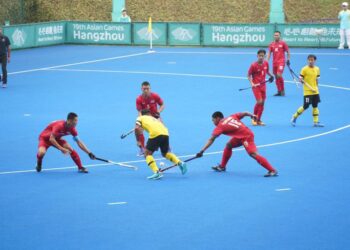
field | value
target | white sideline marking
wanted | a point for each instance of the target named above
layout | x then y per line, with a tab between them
186	156
244	53
175	74
333	68
171	62
27	115
117	203
283	189
79	63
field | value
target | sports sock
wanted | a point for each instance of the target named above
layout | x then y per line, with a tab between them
263	162
260	111
315	113
142	140
39	159
152	163
281	84
299	112
172	157
76	159
226	156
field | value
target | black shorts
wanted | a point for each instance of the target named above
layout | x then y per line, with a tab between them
312	99
161	141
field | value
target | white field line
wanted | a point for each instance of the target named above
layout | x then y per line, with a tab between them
186	156
245	53
176	74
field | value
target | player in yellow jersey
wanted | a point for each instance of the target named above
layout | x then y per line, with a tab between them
309	78
158	138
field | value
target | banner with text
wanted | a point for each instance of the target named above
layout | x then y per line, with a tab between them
237	34
142	36
42	34
184	34
98	33
310	35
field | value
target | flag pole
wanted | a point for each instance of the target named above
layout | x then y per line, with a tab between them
150	31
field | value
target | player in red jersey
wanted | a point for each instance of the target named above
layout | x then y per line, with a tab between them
240	135
256	76
51	136
278	48
151	101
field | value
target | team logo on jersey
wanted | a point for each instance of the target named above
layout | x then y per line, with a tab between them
19	37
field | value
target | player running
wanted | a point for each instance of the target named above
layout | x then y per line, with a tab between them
240	135
158	138
278	48
256	76
309	77
151	101
51	136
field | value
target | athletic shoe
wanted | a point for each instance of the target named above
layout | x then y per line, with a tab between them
183	167
317	124
155	176
340	47
293	121
83	170
38	167
4	85
278	94
260	123
254	122
283	93
218	168
271	174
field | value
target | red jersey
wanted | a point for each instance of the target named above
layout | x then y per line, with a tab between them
278	49
58	129
149	102
232	126
258	72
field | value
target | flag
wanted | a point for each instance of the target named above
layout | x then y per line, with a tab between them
149	25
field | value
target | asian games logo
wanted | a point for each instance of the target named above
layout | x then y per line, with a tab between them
182	34
145	35
19	37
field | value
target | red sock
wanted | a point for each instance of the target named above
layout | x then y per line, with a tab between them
39	159
142	140
226	156
282	84
261	109
263	162
76	159
256	109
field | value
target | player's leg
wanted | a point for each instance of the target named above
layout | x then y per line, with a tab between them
275	73
315	112
251	149
151	147
141	139
342	38
257	107
4	70
226	156
73	154
42	148
307	101
279	76
261	106
165	149
347	32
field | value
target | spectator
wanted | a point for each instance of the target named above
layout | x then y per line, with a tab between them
344	17
124	18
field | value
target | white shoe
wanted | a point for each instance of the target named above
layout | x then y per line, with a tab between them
340	47
4	85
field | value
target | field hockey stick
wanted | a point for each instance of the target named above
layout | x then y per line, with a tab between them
297	80
116	163
175	165
252	87
127	133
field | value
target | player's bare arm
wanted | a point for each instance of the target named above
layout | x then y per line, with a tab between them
207	145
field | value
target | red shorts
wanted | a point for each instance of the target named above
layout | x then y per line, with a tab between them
248	143
46	144
278	69
259	93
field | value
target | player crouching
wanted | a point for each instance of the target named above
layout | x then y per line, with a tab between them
51	136
158	138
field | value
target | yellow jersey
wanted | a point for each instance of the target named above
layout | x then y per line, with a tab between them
310	76
152	125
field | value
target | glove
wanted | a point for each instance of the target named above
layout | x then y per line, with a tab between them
200	154
92	156
271	79
156	115
288	63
